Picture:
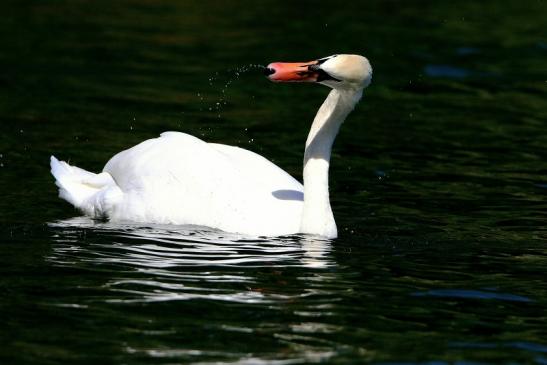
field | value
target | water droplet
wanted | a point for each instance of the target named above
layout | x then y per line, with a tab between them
225	79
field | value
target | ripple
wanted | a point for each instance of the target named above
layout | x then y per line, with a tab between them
165	246
518	345
472	294
160	263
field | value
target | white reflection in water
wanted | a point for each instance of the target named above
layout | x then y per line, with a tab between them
161	262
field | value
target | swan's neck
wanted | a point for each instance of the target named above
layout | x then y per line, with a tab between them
317	217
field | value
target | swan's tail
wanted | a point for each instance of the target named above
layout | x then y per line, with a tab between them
94	194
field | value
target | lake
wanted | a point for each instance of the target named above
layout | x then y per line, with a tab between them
438	184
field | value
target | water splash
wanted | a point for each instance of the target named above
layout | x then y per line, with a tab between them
223	80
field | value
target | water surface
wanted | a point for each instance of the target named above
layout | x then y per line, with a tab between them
438	181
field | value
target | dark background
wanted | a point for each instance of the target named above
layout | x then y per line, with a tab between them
438	179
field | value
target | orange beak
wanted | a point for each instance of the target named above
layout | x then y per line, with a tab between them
292	72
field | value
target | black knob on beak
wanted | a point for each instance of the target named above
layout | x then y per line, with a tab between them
268	71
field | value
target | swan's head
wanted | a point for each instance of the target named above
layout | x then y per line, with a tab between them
341	71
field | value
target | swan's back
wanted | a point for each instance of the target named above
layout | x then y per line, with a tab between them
177	178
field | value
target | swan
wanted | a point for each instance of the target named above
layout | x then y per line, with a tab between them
180	179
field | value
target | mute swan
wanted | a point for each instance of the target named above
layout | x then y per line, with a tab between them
179	179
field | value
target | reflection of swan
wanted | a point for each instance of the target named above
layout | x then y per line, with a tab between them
149	275
162	247
180	179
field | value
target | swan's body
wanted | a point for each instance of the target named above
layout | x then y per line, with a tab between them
179	179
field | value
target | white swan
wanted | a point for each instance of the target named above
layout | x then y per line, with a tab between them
179	179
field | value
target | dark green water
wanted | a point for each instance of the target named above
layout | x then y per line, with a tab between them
438	181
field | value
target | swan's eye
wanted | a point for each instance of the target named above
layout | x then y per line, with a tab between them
314	68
